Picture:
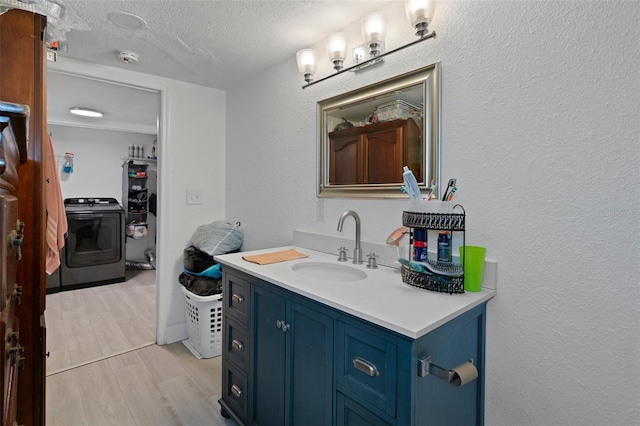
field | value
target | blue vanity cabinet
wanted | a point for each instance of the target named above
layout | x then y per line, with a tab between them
305	363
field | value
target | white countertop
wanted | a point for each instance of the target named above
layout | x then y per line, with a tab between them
381	298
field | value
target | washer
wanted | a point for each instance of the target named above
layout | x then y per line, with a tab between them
94	250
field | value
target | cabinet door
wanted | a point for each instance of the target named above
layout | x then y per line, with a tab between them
268	357
383	152
310	367
344	160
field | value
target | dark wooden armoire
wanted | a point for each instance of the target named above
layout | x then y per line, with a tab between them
22	326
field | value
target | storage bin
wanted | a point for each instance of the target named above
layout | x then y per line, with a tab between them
204	324
396	110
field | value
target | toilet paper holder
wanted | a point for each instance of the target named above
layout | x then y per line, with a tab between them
453	377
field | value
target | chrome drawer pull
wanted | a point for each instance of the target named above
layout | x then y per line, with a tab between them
237	298
237	345
365	366
236	391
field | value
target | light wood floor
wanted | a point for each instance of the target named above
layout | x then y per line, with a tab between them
154	385
93	323
105	369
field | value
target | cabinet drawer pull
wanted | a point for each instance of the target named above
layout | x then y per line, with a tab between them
237	345
365	366
236	391
237	298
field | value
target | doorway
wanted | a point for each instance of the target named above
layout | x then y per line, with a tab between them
98	322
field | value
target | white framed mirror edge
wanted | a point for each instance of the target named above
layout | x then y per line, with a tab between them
430	77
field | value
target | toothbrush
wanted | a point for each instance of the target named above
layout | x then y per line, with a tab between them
416	267
455	188
432	188
451	184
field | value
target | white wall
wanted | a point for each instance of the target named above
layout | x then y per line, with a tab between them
97	161
191	153
540	126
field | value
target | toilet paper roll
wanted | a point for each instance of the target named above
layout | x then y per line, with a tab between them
464	373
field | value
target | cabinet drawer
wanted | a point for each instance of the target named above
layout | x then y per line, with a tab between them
366	365
350	413
236	297
234	391
236	341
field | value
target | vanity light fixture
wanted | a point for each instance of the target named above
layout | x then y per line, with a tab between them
86	112
373	32
306	63
419	13
336	45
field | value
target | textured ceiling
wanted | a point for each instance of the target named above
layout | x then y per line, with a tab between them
207	42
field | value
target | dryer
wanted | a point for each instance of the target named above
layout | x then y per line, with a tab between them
94	249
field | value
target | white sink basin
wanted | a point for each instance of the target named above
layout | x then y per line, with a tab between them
329	271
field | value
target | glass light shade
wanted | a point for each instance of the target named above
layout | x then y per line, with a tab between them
373	28
336	45
306	59
419	11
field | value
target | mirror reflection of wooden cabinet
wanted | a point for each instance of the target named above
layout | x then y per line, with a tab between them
375	154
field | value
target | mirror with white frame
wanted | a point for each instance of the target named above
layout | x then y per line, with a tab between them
366	136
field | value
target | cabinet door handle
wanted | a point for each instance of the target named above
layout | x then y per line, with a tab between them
236	391
283	326
237	298
237	345
365	366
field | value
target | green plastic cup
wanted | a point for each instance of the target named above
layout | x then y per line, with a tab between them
473	266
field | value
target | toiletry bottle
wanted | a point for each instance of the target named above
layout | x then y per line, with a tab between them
411	184
444	247
420	245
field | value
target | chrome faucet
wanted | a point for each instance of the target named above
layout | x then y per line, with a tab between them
357	252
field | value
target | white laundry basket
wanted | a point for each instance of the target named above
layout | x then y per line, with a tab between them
204	324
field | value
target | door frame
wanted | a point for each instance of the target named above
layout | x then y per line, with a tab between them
139	81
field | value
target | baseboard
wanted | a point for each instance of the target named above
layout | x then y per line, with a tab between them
175	333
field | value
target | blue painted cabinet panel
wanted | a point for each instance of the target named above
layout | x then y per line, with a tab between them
351	413
268	358
449	346
310	366
293	357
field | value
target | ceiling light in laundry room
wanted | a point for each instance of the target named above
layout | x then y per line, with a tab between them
128	21
86	112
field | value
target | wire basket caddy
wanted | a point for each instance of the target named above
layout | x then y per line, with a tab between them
444	277
441	283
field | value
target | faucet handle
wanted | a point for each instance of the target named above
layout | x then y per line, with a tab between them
372	264
342	254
